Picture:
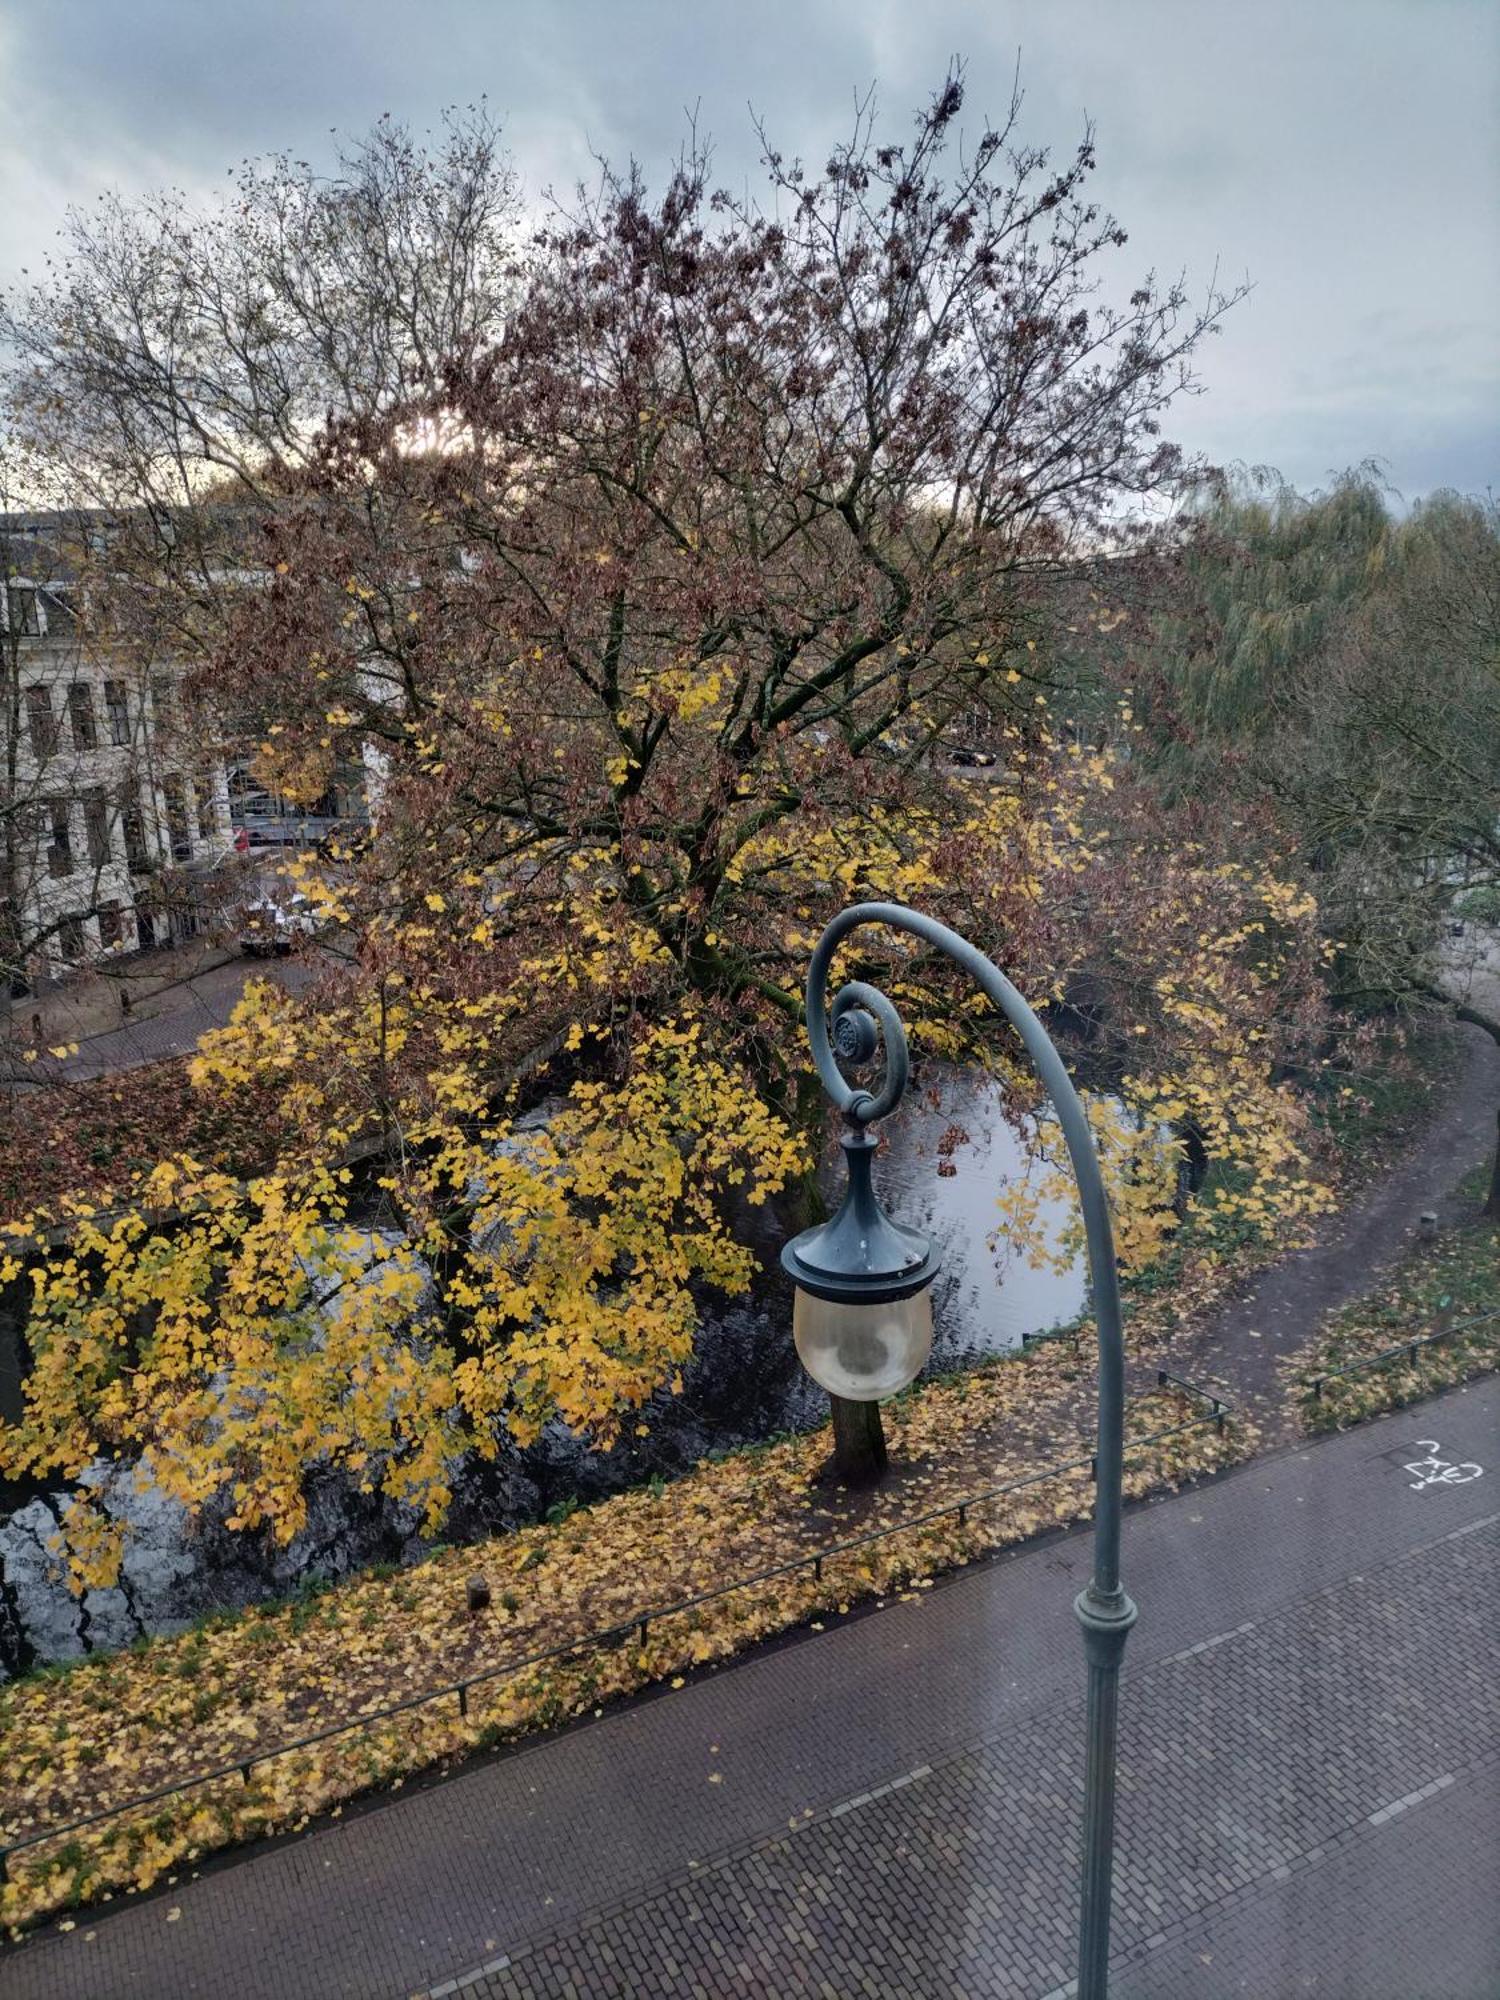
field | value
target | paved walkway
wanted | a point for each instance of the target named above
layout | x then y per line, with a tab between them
1308	1802
180	1016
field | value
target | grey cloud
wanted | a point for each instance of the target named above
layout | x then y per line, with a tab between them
1343	153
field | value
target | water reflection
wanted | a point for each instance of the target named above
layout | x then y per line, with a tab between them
987	1299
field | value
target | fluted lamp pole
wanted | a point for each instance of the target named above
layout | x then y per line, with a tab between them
862	1319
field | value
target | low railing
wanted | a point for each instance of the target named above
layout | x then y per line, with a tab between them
1408	1350
639	1623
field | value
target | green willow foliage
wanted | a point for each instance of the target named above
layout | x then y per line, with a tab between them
1269	577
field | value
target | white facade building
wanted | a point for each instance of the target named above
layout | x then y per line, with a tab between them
103	803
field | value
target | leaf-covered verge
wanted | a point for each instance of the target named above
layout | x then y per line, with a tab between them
95	1140
1453	1282
80	1739
180	1705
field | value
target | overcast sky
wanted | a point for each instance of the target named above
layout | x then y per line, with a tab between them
1344	154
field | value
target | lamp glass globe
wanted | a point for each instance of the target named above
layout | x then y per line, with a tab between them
863	1351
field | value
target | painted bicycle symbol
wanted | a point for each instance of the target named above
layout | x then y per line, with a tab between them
1435	1471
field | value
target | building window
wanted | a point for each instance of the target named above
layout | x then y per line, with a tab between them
96	825
163	701
111	926
203	797
41	722
81	716
25	618
70	939
60	847
136	855
177	824
117	702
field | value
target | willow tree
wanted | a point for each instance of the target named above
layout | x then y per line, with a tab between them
1334	662
1397	777
1264	580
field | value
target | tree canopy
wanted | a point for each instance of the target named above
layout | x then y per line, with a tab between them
653	565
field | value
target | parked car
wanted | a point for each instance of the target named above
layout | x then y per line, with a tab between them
269	927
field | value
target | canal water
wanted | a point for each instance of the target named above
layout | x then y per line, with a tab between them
987	1298
744	1385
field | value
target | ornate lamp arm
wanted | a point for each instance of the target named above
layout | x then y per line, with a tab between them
1104	1611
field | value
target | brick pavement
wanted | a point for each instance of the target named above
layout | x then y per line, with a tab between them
1312	1652
1232	1785
1424	1928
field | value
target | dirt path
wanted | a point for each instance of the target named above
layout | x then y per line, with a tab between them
1243	1346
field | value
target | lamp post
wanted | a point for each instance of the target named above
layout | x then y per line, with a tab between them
863	1320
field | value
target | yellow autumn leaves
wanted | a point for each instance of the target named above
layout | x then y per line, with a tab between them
241	1686
226	1338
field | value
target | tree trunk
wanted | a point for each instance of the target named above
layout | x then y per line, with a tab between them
1492	1204
859	1456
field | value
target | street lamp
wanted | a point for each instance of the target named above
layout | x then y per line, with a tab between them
862	1320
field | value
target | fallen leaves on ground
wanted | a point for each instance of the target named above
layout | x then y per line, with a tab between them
234	1689
1451	1284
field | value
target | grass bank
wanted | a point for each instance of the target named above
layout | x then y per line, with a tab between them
1376	1354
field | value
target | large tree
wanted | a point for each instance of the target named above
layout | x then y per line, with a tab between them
676	523
650	565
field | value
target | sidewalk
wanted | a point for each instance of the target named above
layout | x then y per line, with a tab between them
1307	1802
181	1014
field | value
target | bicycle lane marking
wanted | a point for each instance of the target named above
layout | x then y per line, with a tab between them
1435	1471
